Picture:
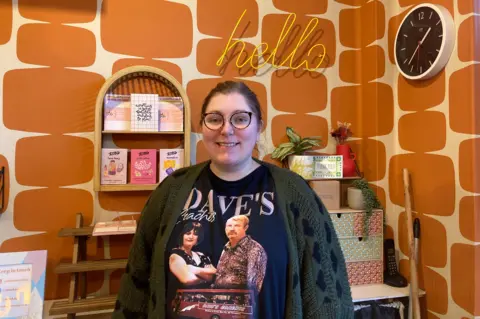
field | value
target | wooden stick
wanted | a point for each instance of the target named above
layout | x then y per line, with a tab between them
411	248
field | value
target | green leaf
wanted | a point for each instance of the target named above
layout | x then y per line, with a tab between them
292	136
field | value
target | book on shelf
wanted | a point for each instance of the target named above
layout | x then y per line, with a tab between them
170	112
114	166
170	160
117	227
144	112
143	166
116	112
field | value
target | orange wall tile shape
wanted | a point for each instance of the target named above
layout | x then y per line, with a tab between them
430	176
393	26
6	16
123	201
148	28
371	158
268	158
416	136
466	277
446	3
6	179
464	106
302	6
63	203
436	289
371	17
198	89
469	217
468	6
421	95
305	125
55	160
34	45
355	3
468	40
171	68
311	92
58	100
58	11
219	18
469	158
368	107
433	234
323	34
364	65
235	64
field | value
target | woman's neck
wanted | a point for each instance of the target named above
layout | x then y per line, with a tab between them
234	173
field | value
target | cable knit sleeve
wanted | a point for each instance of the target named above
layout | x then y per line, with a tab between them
323	274
133	297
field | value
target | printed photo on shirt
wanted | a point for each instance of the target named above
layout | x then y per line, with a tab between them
192	268
228	290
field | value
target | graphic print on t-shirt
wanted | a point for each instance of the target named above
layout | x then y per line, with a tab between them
227	251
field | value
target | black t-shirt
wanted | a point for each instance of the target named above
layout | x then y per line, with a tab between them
239	275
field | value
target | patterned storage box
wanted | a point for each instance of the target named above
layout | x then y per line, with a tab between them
363	254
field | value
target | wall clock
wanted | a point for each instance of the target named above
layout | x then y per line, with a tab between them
424	41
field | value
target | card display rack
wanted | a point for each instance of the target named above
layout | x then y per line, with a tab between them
141	80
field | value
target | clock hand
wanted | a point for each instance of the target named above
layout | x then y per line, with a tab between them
419	43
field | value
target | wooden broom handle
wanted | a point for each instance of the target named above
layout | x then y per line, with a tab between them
411	247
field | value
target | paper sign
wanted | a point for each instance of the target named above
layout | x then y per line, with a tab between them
329	166
15	290
22	284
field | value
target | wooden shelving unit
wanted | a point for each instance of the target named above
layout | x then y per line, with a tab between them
379	292
139	79
77	301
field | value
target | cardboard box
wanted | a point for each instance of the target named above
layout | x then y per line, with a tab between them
329	193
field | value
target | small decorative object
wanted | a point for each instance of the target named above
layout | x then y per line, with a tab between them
355	198
424	41
341	134
296	146
370	200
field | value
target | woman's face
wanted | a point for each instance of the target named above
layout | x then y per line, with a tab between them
190	239
230	146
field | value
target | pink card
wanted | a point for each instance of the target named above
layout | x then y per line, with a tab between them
143	166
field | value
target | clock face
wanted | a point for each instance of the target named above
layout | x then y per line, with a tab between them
419	41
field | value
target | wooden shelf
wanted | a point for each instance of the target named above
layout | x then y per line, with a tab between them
127	187
83	305
138	132
94	265
334	179
379	291
76	232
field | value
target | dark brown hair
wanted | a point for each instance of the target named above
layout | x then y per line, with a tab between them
197	230
229	87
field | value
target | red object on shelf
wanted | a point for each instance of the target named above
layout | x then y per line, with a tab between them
349	167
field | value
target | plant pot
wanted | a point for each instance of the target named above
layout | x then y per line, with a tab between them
355	198
303	165
349	167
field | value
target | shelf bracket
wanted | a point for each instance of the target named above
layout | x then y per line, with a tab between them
2	187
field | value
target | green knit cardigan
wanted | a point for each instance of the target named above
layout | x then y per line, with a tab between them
317	284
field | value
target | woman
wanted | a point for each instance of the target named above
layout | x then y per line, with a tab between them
305	274
189	267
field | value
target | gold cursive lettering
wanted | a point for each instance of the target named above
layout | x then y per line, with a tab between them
262	48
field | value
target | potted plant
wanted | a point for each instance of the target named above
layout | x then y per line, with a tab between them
292	153
361	196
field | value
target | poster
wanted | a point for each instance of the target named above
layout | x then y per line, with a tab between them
22	284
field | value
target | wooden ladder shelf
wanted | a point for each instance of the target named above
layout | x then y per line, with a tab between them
77	301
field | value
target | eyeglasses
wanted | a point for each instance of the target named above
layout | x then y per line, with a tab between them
215	121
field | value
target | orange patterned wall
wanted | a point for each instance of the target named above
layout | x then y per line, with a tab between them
56	55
